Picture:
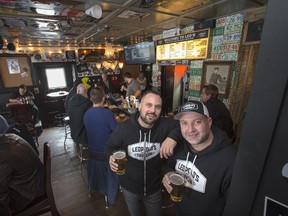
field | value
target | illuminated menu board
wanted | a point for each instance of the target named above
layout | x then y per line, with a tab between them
163	51
188	46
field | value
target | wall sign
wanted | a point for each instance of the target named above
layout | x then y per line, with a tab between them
188	46
252	32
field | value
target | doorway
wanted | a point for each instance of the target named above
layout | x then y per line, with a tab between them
172	87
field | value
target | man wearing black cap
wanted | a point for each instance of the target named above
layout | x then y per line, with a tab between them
205	159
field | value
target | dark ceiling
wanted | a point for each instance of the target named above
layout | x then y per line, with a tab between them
123	21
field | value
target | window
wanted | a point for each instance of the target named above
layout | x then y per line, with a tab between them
56	78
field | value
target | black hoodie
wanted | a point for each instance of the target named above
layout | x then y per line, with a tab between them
208	175
78	105
142	146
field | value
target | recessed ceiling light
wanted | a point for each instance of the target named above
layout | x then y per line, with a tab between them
45	12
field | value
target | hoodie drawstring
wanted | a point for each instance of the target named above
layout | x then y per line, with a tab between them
144	155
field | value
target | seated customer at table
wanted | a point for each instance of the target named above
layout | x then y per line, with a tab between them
18	129
71	93
22	176
77	106
24	95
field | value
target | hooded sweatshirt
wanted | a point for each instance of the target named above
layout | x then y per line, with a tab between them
78	105
142	147
221	115
207	175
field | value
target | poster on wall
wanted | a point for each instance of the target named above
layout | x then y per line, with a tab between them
13	66
218	73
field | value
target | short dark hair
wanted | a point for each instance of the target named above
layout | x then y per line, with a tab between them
127	75
97	94
149	92
211	90
22	86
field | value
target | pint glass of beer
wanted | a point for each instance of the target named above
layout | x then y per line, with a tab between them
177	183
120	159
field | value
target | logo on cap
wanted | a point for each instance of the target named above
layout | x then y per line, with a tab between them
190	106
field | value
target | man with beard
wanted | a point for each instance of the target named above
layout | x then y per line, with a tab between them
141	137
206	160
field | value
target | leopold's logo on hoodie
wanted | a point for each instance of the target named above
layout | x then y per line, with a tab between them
137	150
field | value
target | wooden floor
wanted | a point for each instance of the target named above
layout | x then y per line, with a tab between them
70	186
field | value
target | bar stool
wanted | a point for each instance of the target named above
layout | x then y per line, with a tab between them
67	130
83	154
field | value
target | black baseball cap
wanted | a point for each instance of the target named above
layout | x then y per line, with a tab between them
192	106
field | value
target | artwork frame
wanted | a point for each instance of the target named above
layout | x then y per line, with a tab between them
220	78
70	55
13	65
56	57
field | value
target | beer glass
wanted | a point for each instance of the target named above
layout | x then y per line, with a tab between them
120	159
177	183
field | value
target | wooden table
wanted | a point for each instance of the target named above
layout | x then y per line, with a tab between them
59	96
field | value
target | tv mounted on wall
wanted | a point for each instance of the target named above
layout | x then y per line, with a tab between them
141	53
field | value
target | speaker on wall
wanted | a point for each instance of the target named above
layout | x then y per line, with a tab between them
11	47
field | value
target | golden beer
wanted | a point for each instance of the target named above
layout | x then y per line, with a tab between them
177	183
120	159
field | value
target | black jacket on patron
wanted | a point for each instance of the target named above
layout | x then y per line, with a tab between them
22	174
78	105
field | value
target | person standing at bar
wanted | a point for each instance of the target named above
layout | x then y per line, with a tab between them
141	137
205	158
141	79
133	87
100	123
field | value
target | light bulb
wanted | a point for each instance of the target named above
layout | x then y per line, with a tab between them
120	64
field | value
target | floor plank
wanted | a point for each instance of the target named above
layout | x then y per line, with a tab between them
70	186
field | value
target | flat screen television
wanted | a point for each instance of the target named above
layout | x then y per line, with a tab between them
141	53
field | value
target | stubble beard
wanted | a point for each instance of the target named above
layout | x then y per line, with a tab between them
198	141
146	120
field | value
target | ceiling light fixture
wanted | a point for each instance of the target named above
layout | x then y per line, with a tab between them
51	26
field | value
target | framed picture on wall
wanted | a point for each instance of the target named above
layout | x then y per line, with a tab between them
56	57
218	73
13	66
16	70
70	55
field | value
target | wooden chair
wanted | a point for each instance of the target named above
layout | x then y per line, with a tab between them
45	203
22	114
